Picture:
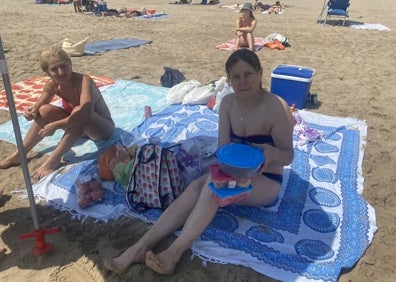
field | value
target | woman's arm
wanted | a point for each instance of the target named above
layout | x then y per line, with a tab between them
224	121
250	28
282	153
81	113
46	96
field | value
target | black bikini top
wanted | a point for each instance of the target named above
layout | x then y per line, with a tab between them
258	139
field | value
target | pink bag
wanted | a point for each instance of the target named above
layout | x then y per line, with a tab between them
155	180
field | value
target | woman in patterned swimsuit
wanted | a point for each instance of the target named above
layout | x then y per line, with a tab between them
84	113
250	115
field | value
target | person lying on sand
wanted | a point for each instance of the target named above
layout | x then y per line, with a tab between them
277	8
249	115
84	112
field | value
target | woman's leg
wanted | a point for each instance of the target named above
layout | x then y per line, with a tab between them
237	43
29	142
171	219
264	192
48	114
250	40
69	138
32	138
98	127
200	217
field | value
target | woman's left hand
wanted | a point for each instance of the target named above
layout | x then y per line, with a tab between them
267	151
48	130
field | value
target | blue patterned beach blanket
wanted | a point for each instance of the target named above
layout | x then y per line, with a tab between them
319	225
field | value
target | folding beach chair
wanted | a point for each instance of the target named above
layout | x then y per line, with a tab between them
337	8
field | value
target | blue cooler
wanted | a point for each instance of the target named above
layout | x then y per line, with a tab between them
292	83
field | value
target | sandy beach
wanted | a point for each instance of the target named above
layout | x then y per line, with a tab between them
355	77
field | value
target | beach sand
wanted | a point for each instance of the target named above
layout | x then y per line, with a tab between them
355	77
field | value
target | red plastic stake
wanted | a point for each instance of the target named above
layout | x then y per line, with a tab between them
40	246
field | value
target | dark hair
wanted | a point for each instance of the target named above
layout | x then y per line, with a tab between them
243	54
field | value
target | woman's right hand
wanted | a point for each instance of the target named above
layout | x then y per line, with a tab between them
31	113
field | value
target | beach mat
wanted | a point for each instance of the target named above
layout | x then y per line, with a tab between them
230	45
126	101
27	92
113	44
319	225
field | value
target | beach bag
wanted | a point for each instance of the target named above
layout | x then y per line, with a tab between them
171	77
201	95
74	49
155	180
177	92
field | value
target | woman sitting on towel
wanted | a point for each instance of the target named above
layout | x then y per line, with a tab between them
250	113
245	25
83	113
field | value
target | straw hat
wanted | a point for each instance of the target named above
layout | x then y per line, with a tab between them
247	6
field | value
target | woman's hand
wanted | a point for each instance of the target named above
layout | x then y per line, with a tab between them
31	113
48	130
239	33
268	152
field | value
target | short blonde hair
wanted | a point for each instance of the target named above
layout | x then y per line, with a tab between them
53	52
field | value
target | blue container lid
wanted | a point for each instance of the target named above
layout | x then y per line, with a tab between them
294	71
240	155
227	192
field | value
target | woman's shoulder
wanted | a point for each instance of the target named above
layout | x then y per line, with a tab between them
274	102
228	98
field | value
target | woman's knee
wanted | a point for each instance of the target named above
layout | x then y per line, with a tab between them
50	112
263	193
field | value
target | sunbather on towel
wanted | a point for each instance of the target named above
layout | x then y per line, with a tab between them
84	112
245	25
250	113
277	8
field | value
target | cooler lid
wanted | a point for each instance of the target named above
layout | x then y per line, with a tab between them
294	71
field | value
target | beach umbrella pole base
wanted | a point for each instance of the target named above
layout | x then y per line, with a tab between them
40	245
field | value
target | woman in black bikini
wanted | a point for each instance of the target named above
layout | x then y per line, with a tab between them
250	115
84	112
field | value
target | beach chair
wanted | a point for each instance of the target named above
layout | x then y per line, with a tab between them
337	8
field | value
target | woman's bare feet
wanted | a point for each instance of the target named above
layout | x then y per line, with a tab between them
160	263
46	168
121	263
9	162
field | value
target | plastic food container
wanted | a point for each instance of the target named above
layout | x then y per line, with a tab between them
240	160
227	190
